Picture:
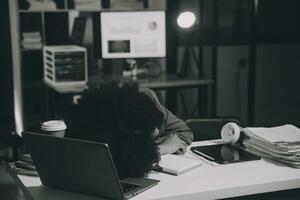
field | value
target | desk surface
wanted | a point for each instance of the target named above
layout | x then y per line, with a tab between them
204	182
161	82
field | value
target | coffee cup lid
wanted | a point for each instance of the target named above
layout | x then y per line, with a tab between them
53	125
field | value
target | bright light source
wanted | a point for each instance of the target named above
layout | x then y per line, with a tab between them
186	19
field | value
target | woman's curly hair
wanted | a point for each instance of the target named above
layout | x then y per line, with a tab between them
119	115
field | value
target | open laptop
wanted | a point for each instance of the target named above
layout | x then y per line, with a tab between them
11	186
80	166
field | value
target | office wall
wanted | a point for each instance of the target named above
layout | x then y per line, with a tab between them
276	100
277	86
277	96
232	81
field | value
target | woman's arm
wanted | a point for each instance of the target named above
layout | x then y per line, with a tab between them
174	135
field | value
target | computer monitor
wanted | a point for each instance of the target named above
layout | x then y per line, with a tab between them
133	34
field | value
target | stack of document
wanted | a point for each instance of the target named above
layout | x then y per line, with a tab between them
41	5
281	143
87	4
32	40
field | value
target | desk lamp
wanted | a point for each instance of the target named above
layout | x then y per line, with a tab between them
186	21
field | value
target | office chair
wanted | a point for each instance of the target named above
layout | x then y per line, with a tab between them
209	128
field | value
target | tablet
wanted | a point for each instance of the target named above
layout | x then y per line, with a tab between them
223	153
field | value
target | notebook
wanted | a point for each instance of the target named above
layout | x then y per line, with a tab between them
78	30
81	166
177	164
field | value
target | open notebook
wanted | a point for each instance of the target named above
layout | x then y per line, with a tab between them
178	164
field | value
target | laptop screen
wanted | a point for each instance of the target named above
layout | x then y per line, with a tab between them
80	166
74	165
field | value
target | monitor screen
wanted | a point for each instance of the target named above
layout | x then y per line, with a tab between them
133	34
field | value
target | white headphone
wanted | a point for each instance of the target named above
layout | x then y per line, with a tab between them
230	132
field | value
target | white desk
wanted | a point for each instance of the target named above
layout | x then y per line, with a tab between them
204	182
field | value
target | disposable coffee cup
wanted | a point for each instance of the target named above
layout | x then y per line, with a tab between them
55	128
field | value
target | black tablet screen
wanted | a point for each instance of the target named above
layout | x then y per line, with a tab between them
223	153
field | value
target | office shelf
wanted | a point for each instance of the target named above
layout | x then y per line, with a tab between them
43	11
54	29
30	50
62	10
33	84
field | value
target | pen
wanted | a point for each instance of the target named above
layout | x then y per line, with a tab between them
204	155
157	168
200	157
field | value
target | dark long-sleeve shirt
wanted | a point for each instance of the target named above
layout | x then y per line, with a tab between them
171	124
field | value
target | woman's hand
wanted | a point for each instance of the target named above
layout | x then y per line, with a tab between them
171	144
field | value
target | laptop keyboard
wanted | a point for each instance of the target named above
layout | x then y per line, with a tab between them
127	187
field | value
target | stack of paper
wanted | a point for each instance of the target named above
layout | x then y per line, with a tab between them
281	143
41	5
87	4
32	40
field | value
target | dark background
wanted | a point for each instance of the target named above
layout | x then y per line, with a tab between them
256	69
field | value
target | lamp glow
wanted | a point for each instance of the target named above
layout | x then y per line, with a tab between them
186	19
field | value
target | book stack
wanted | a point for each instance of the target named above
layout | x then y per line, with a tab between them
128	4
24	166
87	4
281	143
41	5
32	40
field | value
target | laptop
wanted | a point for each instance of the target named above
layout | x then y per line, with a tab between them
80	166
11	186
